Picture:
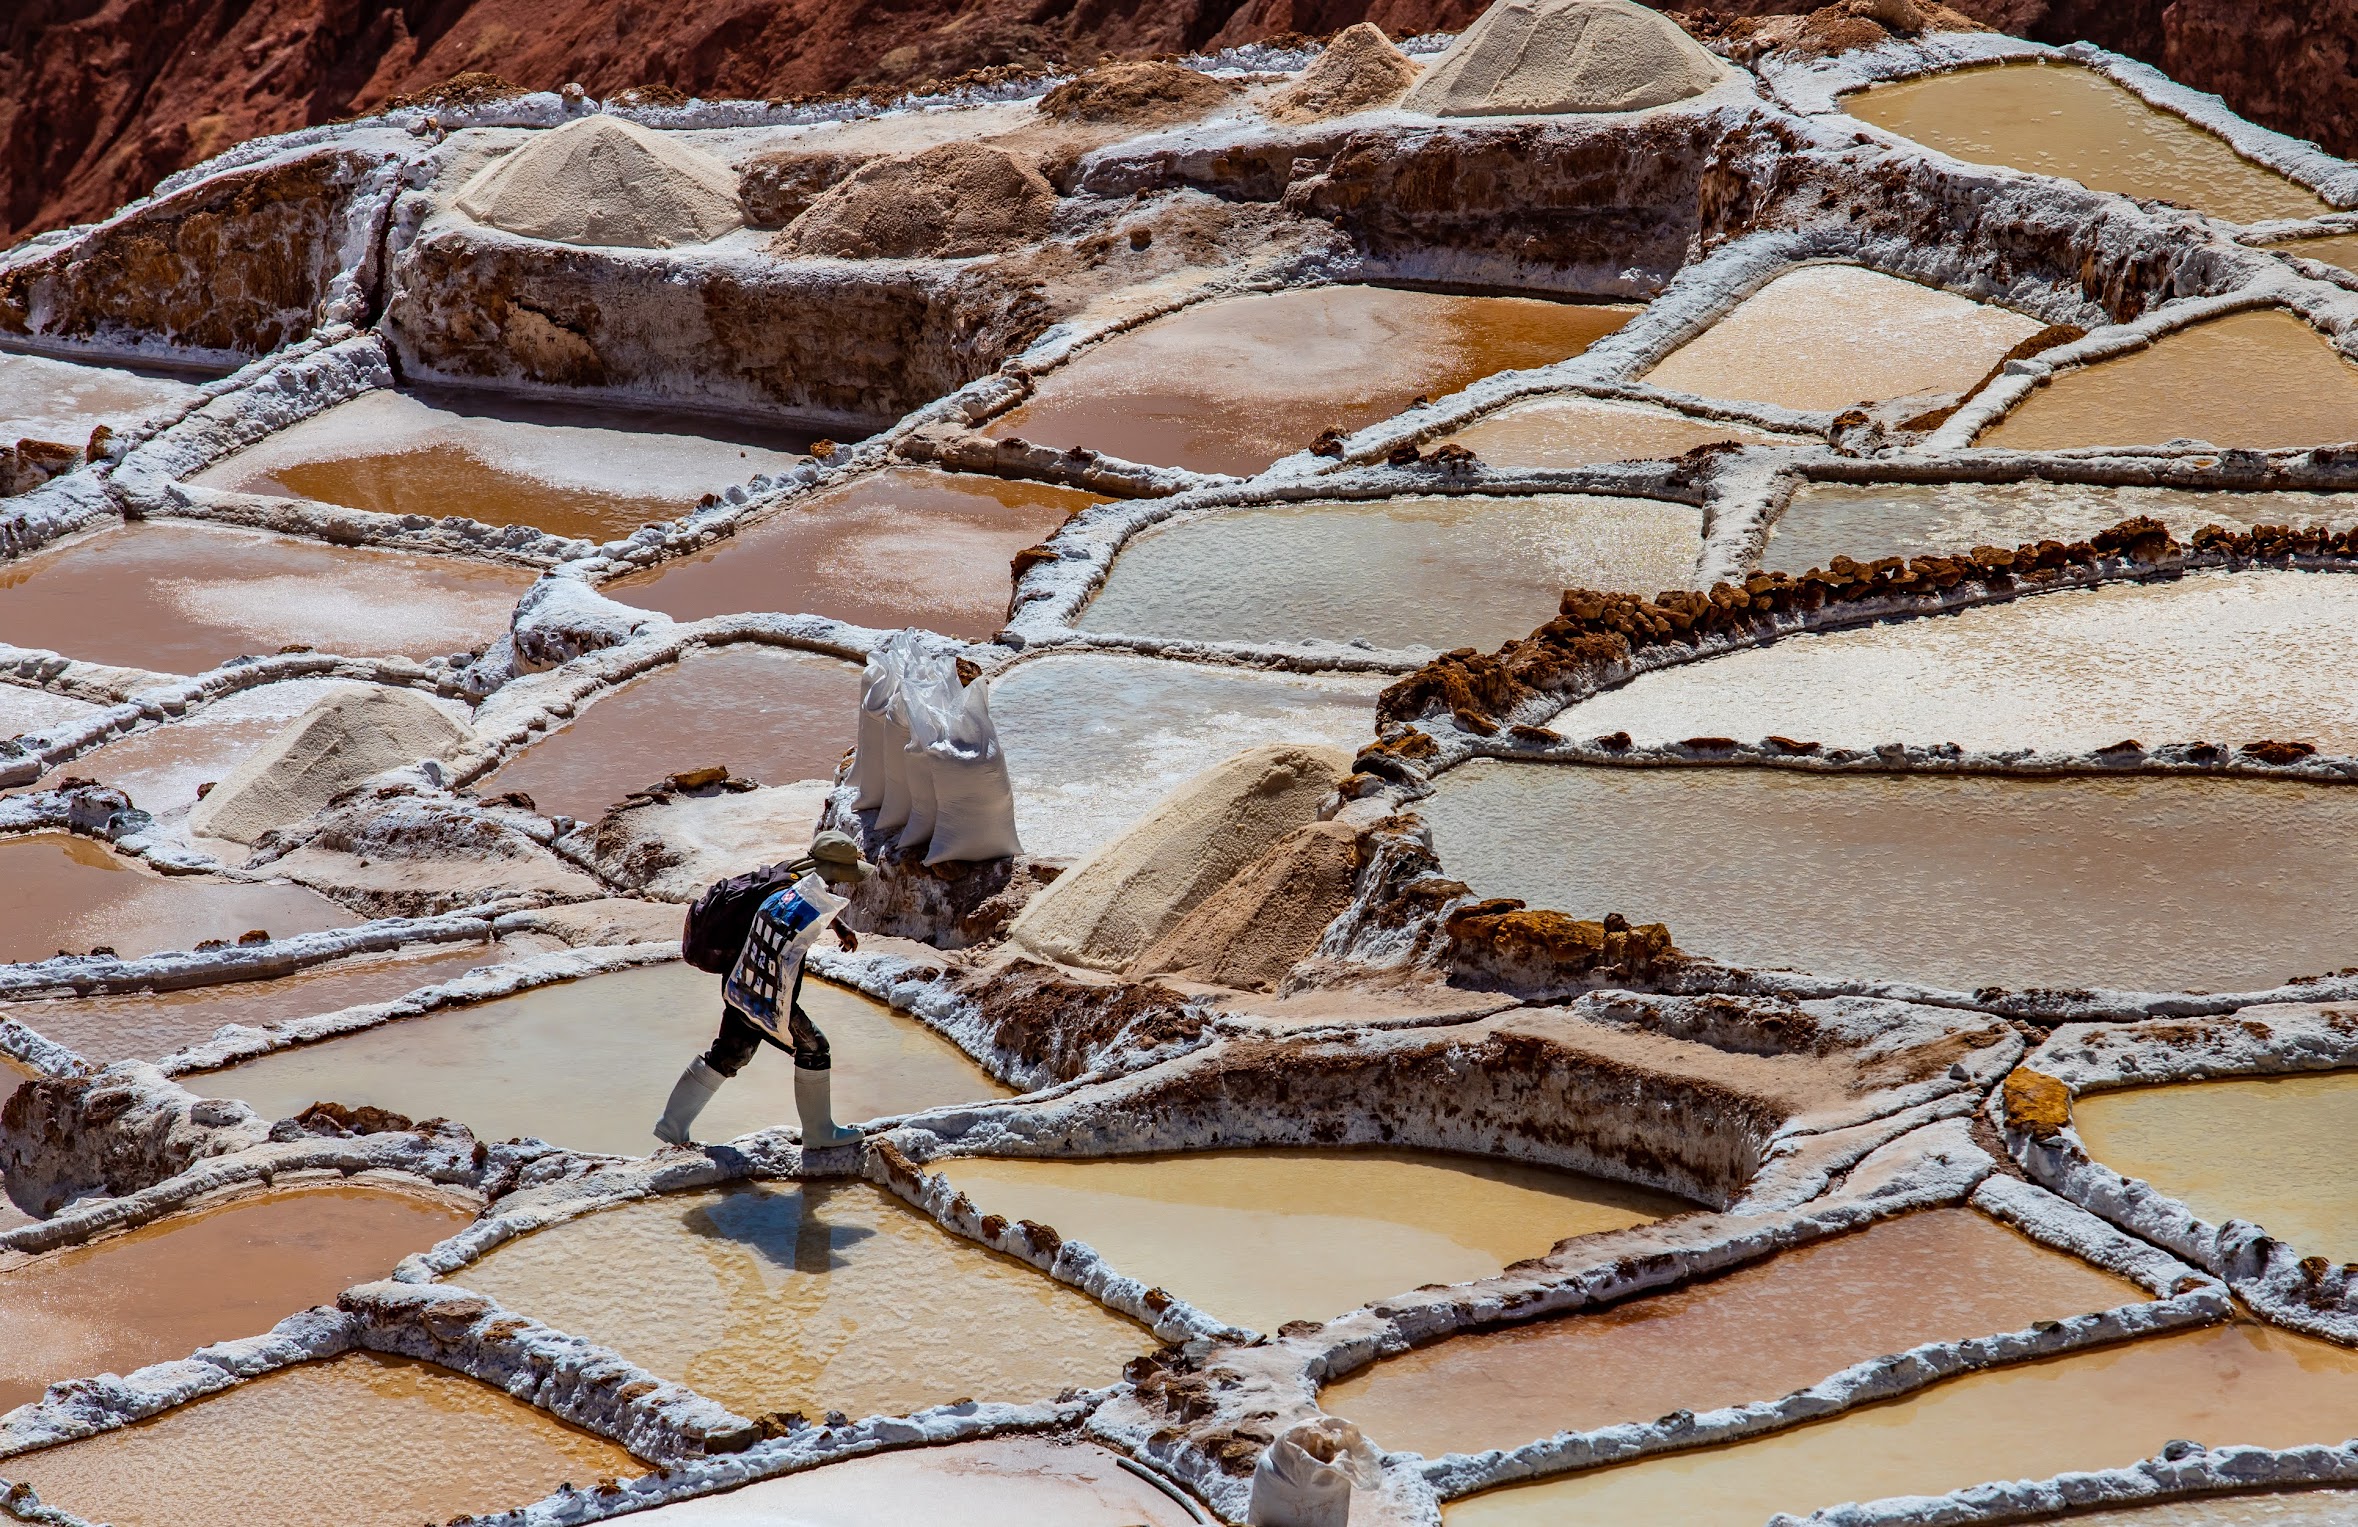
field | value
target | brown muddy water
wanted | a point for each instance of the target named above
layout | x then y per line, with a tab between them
2257	379
1232	385
589	1063
2297	1508
814	1297
363	1440
1257	1238
1577	432
2069	121
907	546
59	892
2335	249
2140	883
63	401
183	598
234	1268
770	714
1465	570
2239	1383
2271	1150
1752	1334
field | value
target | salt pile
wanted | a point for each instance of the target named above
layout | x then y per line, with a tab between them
949	202
1539	57
602	180
335	745
1359	71
1135	95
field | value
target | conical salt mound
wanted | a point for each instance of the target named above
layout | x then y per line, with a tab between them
602	180
347	737
1359	71
1539	57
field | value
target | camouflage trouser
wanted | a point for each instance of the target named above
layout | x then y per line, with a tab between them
740	1036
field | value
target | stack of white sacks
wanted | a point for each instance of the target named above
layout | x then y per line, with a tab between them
928	761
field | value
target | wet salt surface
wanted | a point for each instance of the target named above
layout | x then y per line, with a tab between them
908	546
62	401
2238	1383
25	710
2257	379
2069	121
58	892
1093	742
2335	249
2222	657
210	1274
1753	1334
1574	432
770	714
1396	573
1005	1482
1232	385
2274	1151
184	598
589	1063
570	471
1867	521
1257	1238
364	1440
813	1297
2299	1508
1830	336
2140	883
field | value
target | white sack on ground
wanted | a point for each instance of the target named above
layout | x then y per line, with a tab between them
974	816
931	693
868	770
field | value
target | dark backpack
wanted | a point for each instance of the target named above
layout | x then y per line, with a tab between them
720	919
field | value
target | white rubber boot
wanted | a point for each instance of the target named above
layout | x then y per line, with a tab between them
689	1094
812	1099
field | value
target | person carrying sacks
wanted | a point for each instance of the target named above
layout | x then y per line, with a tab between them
753	930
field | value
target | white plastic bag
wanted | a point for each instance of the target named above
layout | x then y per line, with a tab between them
892	808
868	766
974	805
1305	1478
761	983
929	690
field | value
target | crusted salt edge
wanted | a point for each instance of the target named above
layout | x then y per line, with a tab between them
2197	1473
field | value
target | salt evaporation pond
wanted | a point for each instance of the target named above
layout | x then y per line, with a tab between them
1397	572
2142	883
567	470
59	892
908	546
1005	1482
183	598
2221	657
771	714
1092	742
2334	249
1865	521
1576	432
63	401
1232	385
2256	379
587	1063
214	1273
1753	1334
364	1440
2238	1383
2071	122
24	709
812	1297
2299	1508
1257	1238
1831	336
2274	1151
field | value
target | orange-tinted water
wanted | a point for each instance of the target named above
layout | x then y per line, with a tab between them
1573	432
1753	1334
364	1440
908	546
1230	386
59	892
2334	249
2298	1508
202	1276
768	713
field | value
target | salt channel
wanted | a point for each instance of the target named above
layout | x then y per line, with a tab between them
2141	883
63	401
1230	386
1574	432
809	1297
60	893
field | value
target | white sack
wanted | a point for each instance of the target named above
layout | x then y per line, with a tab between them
868	767
1293	1487
930	691
892	806
974	803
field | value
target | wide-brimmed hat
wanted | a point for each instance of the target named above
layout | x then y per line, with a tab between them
839	857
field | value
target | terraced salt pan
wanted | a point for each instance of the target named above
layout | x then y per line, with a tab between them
2144	883
2069	121
2300	1508
814	1296
60	892
2238	1383
2273	1151
1230	386
2218	656
1093	742
1753	1334
184	598
908	546
1831	336
564	469
2334	249
1005	1482
25	710
588	1063
770	714
1462	570
1257	1238
1864	521
364	1440
205	1275
62	401
2256	379
1577	432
